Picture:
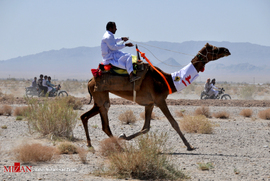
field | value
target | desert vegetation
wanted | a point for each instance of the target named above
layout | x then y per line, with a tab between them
53	117
246	113
12	88
127	117
35	152
142	160
153	116
264	114
221	115
145	157
5	110
196	124
203	110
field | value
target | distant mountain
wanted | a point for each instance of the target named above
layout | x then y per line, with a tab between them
170	65
76	63
238	68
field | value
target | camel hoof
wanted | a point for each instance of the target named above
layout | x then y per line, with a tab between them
191	148
91	149
122	136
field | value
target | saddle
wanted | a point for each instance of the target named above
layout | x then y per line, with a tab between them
116	79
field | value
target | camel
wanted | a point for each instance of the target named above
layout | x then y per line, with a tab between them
153	92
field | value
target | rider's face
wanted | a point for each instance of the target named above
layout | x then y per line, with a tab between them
113	29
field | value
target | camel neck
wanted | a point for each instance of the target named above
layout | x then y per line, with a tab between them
198	63
170	81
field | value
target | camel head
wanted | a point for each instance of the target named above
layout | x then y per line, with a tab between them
210	53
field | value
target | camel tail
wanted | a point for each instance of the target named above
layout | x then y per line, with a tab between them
90	92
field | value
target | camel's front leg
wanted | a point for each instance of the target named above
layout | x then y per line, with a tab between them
146	126
164	108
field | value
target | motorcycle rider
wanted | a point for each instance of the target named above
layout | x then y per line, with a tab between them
34	83
210	88
44	84
49	84
41	87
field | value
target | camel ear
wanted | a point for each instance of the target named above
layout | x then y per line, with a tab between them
207	45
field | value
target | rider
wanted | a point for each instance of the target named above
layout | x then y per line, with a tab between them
214	88
207	86
34	83
112	55
210	88
41	87
49	84
44	84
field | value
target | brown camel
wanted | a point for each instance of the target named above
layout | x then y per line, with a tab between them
153	91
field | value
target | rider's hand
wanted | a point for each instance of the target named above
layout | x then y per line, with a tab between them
125	38
129	45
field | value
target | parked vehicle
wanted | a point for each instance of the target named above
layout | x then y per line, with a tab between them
220	95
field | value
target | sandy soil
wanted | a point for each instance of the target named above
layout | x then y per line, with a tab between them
237	144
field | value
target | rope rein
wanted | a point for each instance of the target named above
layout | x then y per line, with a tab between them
143	55
160	48
199	53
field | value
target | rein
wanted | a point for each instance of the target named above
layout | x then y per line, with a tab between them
143	55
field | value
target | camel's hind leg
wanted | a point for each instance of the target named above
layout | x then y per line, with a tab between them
84	117
146	126
164	108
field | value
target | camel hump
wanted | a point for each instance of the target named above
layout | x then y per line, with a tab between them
110	81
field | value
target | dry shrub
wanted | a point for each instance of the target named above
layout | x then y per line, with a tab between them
153	116
221	115
82	154
67	148
127	117
6	110
205	166
74	102
53	117
264	114
247	92
203	111
20	111
110	145
35	152
7	98
142	160
196	124
246	113
1	93
180	113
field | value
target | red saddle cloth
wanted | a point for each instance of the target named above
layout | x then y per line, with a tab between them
106	81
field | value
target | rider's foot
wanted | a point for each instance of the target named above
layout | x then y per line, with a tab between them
133	77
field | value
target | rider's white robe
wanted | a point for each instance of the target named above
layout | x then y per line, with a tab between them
111	54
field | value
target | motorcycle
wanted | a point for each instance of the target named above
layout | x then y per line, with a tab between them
220	95
35	91
31	91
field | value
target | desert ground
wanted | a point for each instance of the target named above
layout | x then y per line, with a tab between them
238	149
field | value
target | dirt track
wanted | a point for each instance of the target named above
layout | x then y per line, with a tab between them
183	102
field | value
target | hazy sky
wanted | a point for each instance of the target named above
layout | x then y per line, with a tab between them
33	26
